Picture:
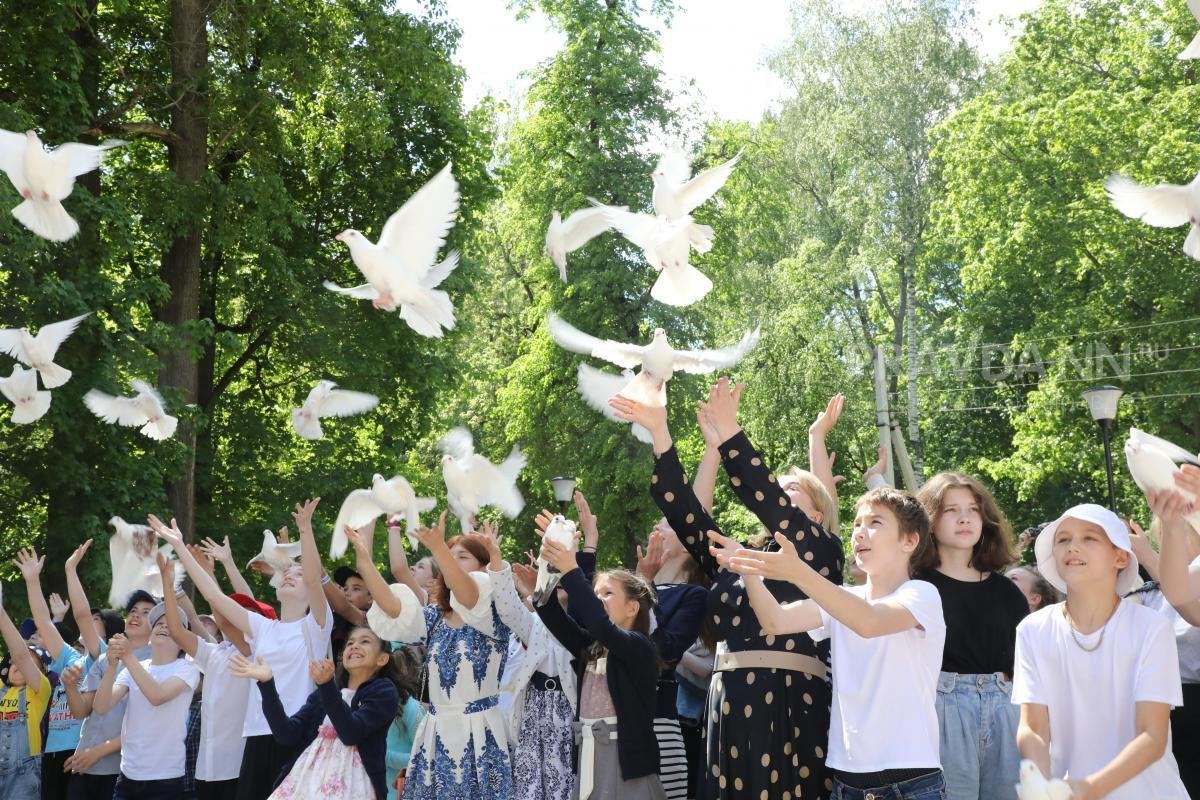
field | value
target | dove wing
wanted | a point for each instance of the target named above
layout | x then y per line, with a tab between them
705	185
10	343
358	509
1161	206
418	230
575	340
458	444
79	159
141	387
702	361
364	292
121	410
343	403
12	152
493	487
51	337
1169	449
583	226
17	384
642	230
437	274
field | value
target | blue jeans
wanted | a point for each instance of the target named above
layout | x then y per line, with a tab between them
930	787
978	736
22	781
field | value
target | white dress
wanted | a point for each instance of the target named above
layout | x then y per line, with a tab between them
461	748
327	768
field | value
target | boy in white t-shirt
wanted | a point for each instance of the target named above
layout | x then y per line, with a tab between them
886	641
153	753
1096	676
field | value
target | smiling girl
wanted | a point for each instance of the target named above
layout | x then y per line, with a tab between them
977	721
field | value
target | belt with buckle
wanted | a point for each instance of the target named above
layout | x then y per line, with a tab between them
544	682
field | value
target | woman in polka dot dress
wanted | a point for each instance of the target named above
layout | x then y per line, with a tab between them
768	716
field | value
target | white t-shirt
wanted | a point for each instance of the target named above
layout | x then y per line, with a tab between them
152	737
884	689
287	647
222	714
1091	696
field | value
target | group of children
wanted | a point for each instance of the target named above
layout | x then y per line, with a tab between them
717	669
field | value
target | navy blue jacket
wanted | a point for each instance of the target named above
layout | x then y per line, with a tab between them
363	724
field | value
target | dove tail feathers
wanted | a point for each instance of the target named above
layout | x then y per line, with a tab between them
53	375
680	285
48	219
307	427
33	410
511	467
161	429
338	542
429	313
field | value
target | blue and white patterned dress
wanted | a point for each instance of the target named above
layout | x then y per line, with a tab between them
461	748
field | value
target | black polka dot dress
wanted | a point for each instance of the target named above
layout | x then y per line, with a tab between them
767	728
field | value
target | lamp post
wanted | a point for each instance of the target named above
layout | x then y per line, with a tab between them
564	490
1102	403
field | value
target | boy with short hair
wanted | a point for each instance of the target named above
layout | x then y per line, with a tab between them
1096	676
886	640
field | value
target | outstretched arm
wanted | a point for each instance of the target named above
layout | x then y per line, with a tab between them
182	636
205	583
398	563
31	570
820	460
705	484
1173	563
81	609
18	651
223	553
460	584
310	560
381	593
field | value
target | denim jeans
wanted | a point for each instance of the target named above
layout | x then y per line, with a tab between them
22	781
978	736
929	787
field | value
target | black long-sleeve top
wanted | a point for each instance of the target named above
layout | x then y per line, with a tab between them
632	674
363	724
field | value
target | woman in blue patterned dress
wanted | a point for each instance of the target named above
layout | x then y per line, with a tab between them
461	748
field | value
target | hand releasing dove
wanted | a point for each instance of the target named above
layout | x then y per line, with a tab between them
560	531
39	351
666	246
1034	786
145	409
45	179
658	361
21	389
1193	48
278	555
567	236
131	552
675	196
400	269
363	506
473	482
327	401
1153	463
1166	205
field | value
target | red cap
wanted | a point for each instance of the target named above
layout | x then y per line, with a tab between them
250	604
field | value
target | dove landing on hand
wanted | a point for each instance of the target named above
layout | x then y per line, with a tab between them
560	531
658	361
327	401
567	236
39	351
21	388
1034	786
45	179
1166	205
473	482
675	195
145	409
1153	463
363	506
278	555
400	268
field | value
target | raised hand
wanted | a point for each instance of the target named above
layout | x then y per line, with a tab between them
74	559
489	542
358	542
1169	506
28	562
303	513
58	607
879	468
1188	478
722	547
722	407
435	536
711	438
172	535
321	671
524	577
1138	542
243	667
283	536
202	557
587	520
782	564
825	420
650	562
217	552
652	418
166	569
562	558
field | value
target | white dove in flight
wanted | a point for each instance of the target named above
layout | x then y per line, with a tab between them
21	388
39	351
363	506
666	246
676	193
325	400
1166	205
46	178
400	268
1153	463
658	361
561	531
131	552
278	555
565	236
473	482
145	410
1193	48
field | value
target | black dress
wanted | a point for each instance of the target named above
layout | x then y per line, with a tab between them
767	728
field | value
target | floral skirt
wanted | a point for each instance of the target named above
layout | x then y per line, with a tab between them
327	768
460	754
542	762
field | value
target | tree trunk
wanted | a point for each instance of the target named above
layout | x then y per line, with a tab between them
180	268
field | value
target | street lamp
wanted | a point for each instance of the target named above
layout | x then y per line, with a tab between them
1102	403
564	490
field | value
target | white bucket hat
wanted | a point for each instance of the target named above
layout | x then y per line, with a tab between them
1112	525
